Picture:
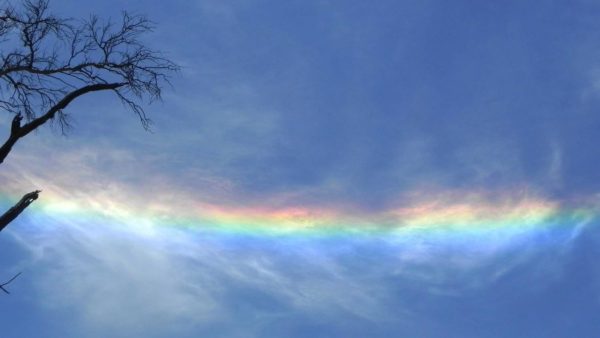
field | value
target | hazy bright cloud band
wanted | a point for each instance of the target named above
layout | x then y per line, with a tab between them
446	217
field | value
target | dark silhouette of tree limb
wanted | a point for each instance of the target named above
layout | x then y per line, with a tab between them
8	282
46	62
17	131
55	57
13	212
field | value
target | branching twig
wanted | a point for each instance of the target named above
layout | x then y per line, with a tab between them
47	62
45	58
6	283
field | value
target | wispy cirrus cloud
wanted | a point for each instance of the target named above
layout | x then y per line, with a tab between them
120	273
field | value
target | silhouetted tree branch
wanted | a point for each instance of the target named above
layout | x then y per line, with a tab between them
17	131
9	281
46	62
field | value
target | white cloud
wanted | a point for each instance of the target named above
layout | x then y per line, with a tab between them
118	281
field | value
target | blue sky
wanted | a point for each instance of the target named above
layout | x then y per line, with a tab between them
341	105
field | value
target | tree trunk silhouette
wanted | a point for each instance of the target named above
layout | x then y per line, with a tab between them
13	212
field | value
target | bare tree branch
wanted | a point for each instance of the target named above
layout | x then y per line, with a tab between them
47	61
44	57
17	131
8	282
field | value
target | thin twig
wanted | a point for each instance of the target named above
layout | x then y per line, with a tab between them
6	283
